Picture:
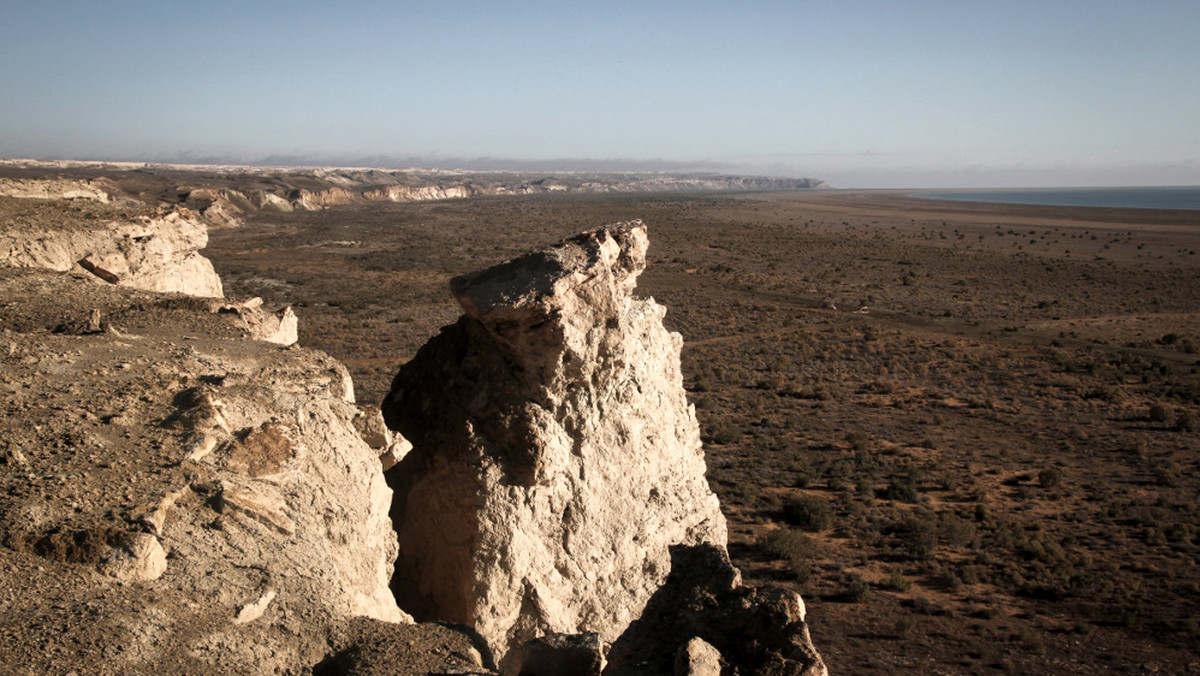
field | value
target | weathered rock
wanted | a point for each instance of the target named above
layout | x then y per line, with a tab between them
218	484
56	189
154	252
698	658
757	630
252	611
395	452
372	428
391	446
139	556
267	201
555	457
281	326
560	655
220	208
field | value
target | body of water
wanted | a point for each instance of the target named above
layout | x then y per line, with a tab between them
1174	197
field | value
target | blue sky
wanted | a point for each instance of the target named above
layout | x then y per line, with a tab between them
861	93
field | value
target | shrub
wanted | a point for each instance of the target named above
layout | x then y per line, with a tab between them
918	536
956	531
724	434
1159	413
895	581
1185	421
793	547
807	512
1166	473
1050	477
899	490
857	591
857	440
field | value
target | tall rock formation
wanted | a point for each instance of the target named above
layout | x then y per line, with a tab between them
555	456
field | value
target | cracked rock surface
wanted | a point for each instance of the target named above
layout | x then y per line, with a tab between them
555	457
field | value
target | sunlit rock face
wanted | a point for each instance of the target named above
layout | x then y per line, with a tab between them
153	252
555	456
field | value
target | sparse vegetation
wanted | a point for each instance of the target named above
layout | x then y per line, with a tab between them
1003	440
807	512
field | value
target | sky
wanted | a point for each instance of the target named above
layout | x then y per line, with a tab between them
861	93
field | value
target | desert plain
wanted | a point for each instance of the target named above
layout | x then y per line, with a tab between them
966	433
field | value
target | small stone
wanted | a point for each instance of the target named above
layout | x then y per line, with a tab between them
698	658
252	611
139	558
395	452
264	508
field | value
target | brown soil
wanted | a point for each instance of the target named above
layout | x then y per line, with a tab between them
1001	411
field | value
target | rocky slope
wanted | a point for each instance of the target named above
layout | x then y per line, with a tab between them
208	497
57	189
556	461
184	494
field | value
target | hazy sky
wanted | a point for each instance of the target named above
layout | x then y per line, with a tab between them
891	93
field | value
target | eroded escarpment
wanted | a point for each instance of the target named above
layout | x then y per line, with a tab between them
180	499
120	243
556	462
226	195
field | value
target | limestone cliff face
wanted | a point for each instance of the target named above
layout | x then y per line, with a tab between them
150	251
313	200
56	189
555	456
221	208
404	193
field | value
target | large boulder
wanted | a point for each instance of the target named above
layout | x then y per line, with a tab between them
555	456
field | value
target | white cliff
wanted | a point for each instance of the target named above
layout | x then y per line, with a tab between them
555	457
126	246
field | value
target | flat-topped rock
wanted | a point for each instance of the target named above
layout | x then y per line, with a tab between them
122	244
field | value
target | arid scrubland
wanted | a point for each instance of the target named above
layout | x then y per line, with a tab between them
966	433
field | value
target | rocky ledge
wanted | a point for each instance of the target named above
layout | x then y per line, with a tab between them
122	244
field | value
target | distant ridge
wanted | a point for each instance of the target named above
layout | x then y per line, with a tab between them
224	194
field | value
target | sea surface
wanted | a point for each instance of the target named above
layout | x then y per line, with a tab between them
1174	197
